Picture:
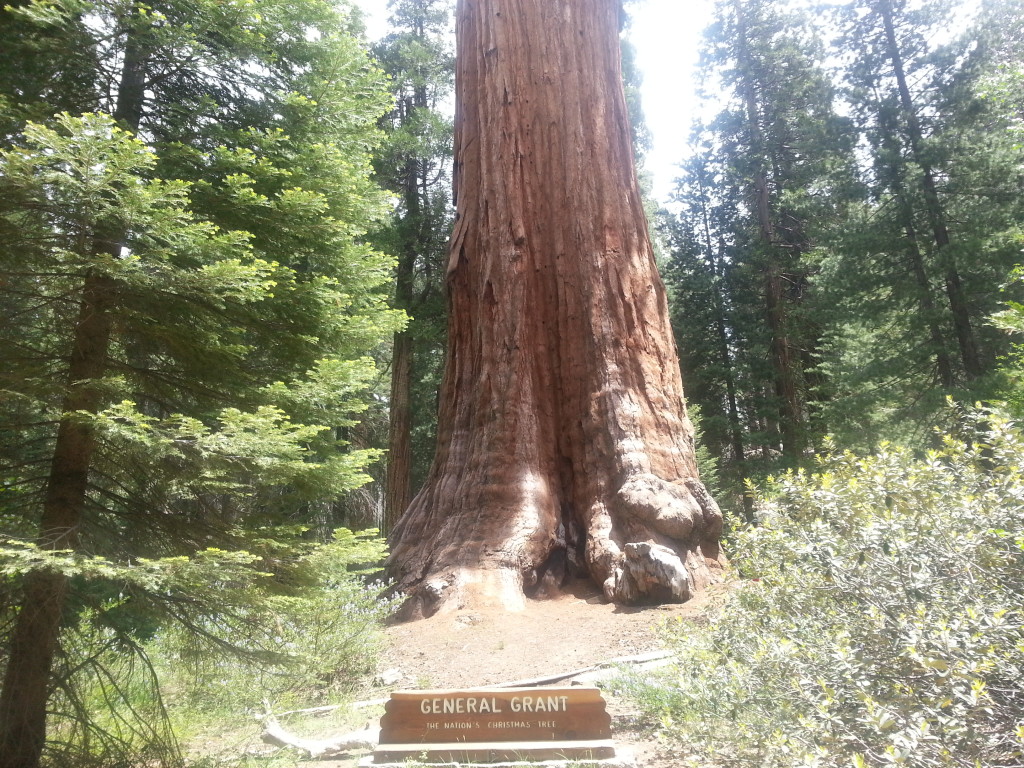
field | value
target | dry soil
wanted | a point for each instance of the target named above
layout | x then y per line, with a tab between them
573	632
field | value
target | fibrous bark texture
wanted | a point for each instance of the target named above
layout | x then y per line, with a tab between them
562	435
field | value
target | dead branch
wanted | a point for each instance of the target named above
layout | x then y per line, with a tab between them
274	733
643	658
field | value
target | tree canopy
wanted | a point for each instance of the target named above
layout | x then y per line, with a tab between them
847	224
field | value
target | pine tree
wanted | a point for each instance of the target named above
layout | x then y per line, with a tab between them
700	276
414	165
916	269
187	303
772	169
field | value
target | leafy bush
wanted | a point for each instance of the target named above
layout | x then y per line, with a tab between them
309	645
233	632
1011	321
880	622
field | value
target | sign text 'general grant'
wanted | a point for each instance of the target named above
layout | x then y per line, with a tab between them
471	705
486	724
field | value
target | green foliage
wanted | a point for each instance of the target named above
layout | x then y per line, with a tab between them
107	707
631	82
707	462
311	645
414	163
241	640
205	194
912	272
879	622
883	218
1011	321
768	176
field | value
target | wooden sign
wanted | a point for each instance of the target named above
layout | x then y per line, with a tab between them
491	725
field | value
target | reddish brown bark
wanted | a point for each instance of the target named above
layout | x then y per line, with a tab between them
398	485
398	482
26	682
563	435
35	637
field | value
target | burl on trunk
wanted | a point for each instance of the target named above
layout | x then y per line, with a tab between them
563	439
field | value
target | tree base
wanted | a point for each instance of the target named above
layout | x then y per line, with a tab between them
457	589
650	574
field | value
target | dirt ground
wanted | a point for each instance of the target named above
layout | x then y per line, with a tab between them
573	632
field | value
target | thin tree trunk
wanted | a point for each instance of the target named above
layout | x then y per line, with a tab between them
716	261
398	484
563	435
732	400
26	683
918	268
962	320
786	389
34	641
942	362
933	205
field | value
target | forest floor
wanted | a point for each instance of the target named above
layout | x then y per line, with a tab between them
573	632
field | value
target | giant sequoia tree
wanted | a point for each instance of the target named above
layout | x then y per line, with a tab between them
563	436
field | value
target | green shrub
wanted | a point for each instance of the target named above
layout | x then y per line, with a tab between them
107	710
310	645
131	684
880	622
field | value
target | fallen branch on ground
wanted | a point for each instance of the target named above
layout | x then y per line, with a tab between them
363	739
642	658
332	707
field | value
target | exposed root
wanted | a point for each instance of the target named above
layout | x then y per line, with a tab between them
461	588
651	573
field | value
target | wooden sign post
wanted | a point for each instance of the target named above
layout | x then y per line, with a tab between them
495	725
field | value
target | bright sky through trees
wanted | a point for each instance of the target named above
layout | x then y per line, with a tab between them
666	34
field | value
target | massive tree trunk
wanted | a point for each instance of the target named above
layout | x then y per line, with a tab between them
563	437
